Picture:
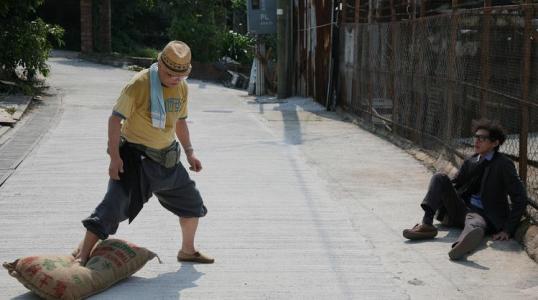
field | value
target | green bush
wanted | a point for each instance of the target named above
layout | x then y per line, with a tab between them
25	40
238	46
202	35
144	52
140	24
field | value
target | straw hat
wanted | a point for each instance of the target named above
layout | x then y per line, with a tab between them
176	56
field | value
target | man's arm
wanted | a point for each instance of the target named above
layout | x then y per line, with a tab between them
460	177
182	133
114	132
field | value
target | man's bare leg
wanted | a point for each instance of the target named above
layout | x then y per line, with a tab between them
188	230
86	245
188	252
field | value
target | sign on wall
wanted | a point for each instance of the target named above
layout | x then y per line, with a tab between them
261	16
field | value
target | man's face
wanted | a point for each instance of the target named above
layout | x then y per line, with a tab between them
168	78
482	142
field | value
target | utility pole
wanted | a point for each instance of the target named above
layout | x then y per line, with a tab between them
282	26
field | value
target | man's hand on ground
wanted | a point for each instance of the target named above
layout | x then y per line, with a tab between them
195	163
501	236
115	167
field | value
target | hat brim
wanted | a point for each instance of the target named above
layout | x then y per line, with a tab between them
172	71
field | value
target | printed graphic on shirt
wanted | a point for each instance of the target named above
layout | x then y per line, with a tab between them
172	105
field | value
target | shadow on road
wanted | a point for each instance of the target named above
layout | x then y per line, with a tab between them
166	285
471	264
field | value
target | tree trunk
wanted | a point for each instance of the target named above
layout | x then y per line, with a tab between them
105	27
86	44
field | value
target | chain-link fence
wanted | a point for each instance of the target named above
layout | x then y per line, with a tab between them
427	74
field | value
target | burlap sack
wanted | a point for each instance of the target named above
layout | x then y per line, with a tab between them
60	277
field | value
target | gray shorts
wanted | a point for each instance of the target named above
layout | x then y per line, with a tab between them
172	186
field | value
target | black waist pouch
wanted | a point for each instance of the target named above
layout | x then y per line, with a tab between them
167	157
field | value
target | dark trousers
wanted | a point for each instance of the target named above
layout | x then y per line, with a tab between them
442	196
172	186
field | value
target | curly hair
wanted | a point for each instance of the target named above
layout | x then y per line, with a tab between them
495	130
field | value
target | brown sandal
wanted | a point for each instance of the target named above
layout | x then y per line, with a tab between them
195	257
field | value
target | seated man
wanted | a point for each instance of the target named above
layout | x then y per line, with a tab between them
476	199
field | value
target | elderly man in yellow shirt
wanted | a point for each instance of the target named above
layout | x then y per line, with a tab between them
150	113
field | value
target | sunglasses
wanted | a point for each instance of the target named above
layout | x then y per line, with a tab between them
180	78
481	137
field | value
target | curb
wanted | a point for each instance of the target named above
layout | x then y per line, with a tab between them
15	148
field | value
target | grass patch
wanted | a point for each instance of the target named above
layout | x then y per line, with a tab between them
10	110
144	52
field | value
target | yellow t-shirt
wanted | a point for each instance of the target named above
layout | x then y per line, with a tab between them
134	106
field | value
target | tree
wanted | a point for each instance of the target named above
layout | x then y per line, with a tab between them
25	40
140	24
201	24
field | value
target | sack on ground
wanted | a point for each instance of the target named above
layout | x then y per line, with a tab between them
61	277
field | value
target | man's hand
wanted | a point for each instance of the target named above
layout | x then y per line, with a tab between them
115	167
196	165
501	236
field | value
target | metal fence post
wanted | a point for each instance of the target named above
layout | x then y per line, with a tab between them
451	74
526	69
368	48
484	59
357	11
392	68
420	88
344	10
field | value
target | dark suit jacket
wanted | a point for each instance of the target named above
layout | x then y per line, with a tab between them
499	181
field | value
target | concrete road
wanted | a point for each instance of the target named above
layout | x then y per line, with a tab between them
302	205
